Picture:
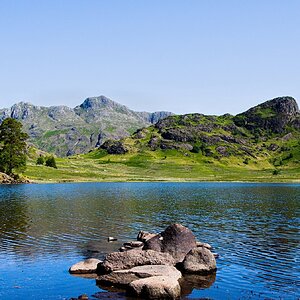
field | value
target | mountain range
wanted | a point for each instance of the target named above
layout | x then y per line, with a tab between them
66	131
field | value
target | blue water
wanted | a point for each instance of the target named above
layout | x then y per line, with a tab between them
46	228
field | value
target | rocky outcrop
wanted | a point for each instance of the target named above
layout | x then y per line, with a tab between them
176	240
114	147
6	179
156	273
271	115
85	267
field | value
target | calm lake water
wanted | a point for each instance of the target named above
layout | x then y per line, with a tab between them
46	228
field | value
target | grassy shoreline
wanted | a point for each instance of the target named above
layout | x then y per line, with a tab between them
158	167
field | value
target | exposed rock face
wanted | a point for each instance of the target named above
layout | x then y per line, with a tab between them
114	147
176	240
68	131
199	260
85	267
156	287
271	115
124	277
129	259
5	179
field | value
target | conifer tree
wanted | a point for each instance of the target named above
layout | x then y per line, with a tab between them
12	147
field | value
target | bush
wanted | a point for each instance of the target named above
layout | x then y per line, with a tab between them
40	160
50	162
276	172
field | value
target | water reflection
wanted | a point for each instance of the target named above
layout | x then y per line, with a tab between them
254	227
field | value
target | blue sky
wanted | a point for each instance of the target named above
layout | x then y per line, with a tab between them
183	56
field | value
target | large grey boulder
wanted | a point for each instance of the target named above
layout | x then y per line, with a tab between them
155	287
199	260
176	240
129	259
125	277
85	267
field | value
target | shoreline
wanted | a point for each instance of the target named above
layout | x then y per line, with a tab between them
151	181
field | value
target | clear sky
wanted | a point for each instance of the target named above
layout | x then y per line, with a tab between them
183	56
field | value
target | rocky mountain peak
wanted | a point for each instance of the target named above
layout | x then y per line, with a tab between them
281	105
97	102
272	115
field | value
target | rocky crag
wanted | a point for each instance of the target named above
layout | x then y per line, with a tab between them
67	131
269	131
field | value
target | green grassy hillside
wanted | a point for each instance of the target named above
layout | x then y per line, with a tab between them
262	144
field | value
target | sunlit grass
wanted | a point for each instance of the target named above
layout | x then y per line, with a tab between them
170	165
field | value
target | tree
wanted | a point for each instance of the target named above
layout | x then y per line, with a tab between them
40	160
50	162
12	147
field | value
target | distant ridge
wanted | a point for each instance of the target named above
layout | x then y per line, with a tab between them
66	131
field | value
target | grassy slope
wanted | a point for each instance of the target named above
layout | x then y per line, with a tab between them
142	164
169	165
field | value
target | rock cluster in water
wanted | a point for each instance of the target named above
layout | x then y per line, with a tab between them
156	266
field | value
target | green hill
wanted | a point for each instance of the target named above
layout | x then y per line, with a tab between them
261	144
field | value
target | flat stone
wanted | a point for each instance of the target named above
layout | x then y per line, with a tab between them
125	277
156	287
136	244
129	259
85	267
143	236
206	245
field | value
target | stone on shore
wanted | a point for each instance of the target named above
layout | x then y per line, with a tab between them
206	245
200	261
85	267
176	240
125	277
144	236
155	287
129	259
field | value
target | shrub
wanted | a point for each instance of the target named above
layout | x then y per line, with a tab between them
40	160
50	162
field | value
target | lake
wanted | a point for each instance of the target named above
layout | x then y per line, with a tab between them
46	228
